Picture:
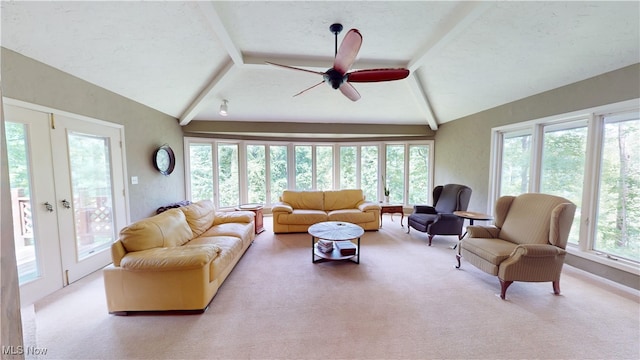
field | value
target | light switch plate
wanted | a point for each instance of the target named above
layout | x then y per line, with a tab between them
134	180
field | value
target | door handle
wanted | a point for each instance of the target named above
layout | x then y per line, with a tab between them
48	206
66	204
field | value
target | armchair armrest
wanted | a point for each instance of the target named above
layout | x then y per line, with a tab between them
486	232
282	207
536	250
424	209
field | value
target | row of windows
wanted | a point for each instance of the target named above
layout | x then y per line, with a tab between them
248	172
591	159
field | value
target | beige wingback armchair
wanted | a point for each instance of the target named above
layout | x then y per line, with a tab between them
526	243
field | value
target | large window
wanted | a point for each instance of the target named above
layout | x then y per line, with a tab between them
232	173
228	174
516	163
256	174
201	172
618	215
592	159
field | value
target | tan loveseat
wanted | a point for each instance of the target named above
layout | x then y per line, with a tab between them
297	210
176	260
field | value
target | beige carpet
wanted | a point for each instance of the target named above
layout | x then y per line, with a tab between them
405	300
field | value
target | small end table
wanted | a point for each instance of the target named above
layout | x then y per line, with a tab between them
257	209
392	209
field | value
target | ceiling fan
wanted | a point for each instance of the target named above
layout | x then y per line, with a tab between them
339	77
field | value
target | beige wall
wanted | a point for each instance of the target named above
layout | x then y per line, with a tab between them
463	147
145	129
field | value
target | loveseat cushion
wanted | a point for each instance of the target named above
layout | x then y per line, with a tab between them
170	259
352	216
303	217
342	199
306	200
200	216
167	229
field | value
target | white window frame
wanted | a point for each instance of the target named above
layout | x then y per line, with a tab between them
592	117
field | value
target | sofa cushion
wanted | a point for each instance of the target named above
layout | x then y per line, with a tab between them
200	216
306	200
168	229
170	259
239	230
342	199
230	249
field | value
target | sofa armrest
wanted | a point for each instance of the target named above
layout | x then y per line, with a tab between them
117	252
282	207
424	209
223	217
368	205
486	232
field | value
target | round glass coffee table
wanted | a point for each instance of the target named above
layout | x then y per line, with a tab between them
340	235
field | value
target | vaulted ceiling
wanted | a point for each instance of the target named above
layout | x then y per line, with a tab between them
184	58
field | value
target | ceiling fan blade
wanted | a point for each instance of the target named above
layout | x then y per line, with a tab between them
349	91
295	68
348	51
373	75
309	88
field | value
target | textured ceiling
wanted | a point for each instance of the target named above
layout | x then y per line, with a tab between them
184	58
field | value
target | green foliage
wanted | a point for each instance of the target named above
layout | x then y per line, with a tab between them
303	164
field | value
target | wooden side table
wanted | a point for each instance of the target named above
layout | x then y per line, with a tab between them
472	215
257	209
392	209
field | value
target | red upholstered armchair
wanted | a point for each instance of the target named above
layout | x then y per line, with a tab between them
439	219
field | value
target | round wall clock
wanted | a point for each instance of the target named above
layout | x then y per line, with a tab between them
164	160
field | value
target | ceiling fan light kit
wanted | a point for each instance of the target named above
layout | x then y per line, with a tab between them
338	76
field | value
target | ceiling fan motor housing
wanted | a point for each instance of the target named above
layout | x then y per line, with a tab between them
334	78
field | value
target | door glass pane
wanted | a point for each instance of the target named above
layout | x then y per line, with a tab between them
348	167
418	174
516	163
324	167
256	174
20	183
369	172
201	172
303	167
228	176
618	223
563	160
278	170
91	188
395	173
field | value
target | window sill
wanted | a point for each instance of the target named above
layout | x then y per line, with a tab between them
601	258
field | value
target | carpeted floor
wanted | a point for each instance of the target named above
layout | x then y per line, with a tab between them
405	300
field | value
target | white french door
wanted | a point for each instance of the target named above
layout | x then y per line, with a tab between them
67	184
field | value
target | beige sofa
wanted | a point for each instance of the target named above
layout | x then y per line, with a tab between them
176	260
298	210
